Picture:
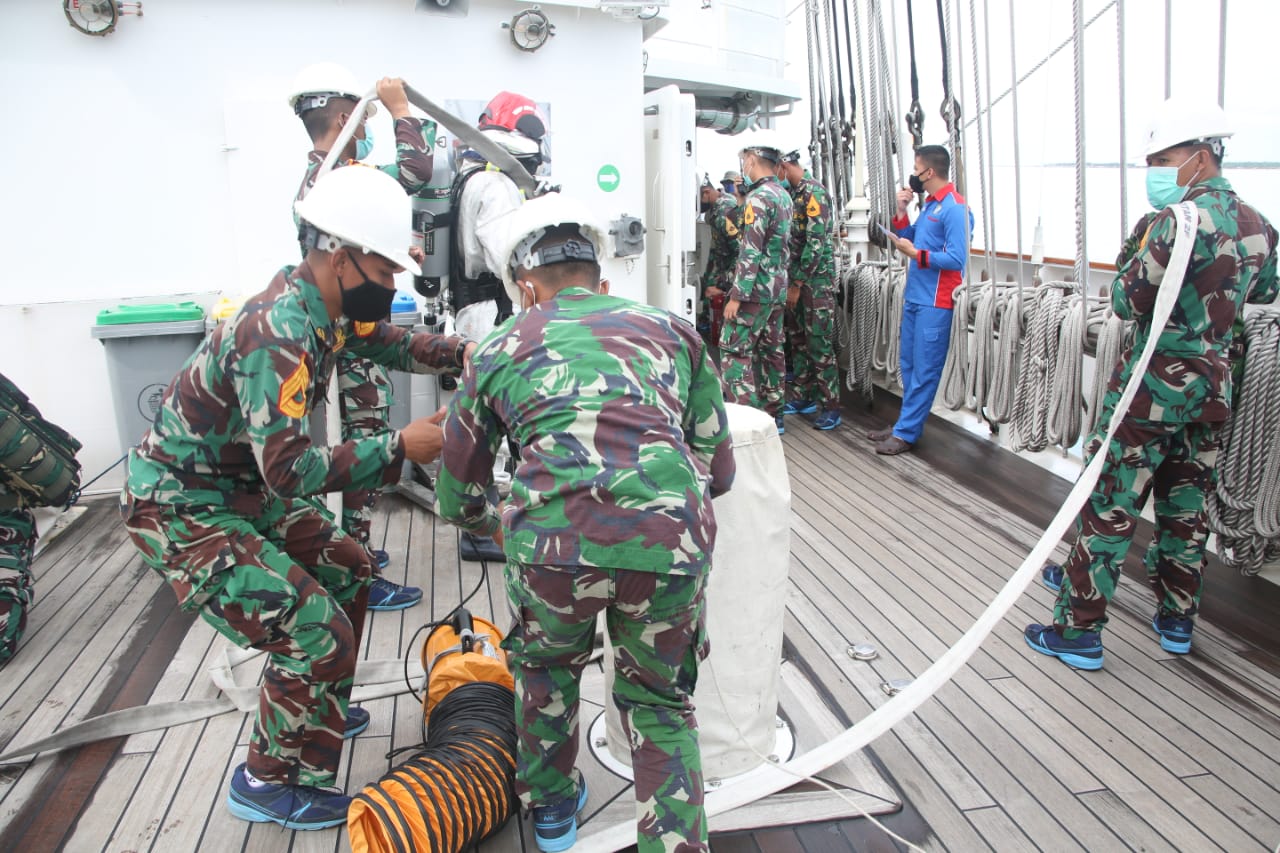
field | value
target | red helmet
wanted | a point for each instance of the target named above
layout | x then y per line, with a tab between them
513	112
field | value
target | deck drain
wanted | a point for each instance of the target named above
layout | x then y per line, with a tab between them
863	651
895	686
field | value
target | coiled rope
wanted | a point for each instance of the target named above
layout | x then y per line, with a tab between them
1245	510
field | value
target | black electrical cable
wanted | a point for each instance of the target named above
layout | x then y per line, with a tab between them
432	626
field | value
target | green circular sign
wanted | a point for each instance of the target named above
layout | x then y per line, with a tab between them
608	177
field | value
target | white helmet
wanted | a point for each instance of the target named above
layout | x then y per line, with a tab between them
765	145
362	207
529	224
1179	121
316	84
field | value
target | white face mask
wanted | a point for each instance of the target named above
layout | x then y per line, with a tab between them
1163	188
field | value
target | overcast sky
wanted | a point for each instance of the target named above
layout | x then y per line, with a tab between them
1046	101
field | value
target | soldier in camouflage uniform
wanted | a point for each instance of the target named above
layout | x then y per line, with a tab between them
620	417
37	468
17	545
364	388
751	343
1167	441
722	217
217	493
811	303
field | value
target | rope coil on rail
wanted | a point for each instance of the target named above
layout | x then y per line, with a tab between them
1245	509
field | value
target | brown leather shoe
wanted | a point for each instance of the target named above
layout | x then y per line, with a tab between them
879	435
892	446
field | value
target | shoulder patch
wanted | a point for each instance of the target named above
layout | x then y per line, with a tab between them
813	208
730	228
748	214
1142	244
292	401
362	329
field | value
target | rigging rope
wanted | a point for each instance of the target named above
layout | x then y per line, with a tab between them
1020	80
950	106
1124	157
915	113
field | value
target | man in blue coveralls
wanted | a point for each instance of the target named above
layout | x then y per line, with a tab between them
938	246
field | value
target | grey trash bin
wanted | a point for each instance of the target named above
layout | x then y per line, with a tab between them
146	345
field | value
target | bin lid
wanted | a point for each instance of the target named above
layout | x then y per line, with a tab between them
145	330
160	312
403	303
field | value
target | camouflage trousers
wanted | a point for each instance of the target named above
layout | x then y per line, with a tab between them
17	545
657	626
1177	462
811	340
751	357
366	399
287	582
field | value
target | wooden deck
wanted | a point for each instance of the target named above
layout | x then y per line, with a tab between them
1018	752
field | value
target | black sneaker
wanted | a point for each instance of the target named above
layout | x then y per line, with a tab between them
357	721
1051	576
1174	631
555	826
389	595
291	806
1084	652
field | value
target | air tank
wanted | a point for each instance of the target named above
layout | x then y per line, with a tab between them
431	223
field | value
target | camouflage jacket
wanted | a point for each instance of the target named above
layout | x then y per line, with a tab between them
233	425
812	249
724	220
1233	261
761	274
620	420
412	168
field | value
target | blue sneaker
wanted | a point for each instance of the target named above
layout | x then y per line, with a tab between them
1084	652
357	721
777	419
827	420
388	595
1051	576
1174	631
800	407
380	559
555	826
291	806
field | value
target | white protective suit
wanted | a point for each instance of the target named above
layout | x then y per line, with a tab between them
487	201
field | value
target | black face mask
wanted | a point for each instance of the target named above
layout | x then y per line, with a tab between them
917	185
368	301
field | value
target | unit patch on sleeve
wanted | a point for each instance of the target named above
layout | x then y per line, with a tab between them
362	329
293	392
813	208
749	214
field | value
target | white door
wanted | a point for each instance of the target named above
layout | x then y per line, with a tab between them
671	202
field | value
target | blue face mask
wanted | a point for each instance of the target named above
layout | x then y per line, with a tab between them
786	185
364	147
1162	184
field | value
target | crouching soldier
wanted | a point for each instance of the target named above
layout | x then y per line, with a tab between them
215	497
